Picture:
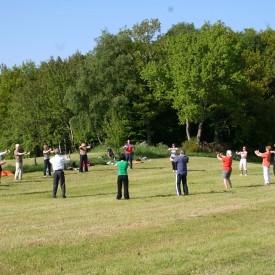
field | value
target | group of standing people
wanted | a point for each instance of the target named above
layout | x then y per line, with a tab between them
178	162
58	161
227	164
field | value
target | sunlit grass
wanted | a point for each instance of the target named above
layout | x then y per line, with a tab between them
155	232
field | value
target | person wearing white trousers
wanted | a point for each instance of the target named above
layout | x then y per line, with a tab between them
266	163
18	155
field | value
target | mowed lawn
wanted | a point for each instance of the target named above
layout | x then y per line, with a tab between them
211	231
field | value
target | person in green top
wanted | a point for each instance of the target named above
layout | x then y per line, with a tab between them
122	178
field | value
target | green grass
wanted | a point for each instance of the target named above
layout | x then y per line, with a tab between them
155	232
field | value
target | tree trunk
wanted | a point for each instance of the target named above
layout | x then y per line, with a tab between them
187	130
99	139
149	134
216	133
71	136
199	132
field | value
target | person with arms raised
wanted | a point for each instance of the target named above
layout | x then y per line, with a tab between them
58	167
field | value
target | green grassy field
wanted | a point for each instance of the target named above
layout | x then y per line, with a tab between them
211	231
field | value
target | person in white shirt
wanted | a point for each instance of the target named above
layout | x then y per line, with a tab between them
58	167
243	161
2	161
174	153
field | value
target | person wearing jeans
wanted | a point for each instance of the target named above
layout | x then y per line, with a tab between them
181	175
129	152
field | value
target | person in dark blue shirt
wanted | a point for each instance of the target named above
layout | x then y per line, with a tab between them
181	175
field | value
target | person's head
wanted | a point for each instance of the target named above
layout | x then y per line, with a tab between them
17	145
244	148
56	151
128	141
229	153
173	145
122	157
182	151
45	146
268	148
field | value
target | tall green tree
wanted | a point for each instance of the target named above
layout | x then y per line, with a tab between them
205	72
106	81
10	81
145	106
258	56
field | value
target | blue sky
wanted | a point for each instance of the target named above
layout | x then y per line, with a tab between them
37	30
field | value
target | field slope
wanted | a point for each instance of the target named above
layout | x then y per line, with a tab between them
211	231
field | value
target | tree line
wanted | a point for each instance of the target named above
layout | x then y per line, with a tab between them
208	83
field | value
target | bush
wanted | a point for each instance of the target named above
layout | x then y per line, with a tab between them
192	145
212	147
144	150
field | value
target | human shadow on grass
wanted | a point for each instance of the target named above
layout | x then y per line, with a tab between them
4	185
148	168
250	186
92	195
25	193
211	192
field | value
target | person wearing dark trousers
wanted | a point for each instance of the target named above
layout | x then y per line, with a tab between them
129	152
58	166
181	175
83	148
174	152
122	178
46	154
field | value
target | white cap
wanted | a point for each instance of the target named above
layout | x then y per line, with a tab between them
228	152
17	145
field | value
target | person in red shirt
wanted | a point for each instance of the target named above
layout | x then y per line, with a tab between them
266	163
129	152
226	168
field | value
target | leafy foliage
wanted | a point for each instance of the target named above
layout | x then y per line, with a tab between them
145	85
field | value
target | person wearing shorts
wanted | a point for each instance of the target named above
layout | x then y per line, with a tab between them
226	168
243	161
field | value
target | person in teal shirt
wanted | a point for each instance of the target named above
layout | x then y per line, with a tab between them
122	178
